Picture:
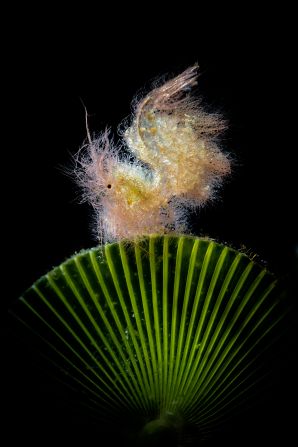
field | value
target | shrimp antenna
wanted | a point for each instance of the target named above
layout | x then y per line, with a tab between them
86	122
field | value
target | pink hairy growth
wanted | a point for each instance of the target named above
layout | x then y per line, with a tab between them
178	142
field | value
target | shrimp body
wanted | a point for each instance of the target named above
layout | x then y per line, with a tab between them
178	163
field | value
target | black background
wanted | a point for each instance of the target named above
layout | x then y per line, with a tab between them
56	63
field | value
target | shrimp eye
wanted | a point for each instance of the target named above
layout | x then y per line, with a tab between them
109	186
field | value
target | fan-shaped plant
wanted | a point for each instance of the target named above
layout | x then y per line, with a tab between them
171	329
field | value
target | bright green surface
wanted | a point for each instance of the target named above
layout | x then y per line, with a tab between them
171	325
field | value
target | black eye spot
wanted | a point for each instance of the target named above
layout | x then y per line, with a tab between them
109	186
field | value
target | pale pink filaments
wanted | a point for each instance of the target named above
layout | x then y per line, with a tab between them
177	141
